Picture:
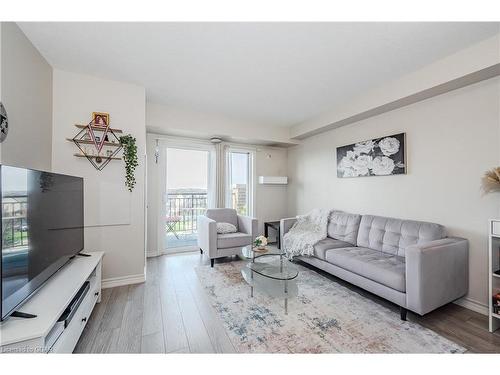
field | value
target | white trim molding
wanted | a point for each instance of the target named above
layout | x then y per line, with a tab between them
152	254
472	305
123	280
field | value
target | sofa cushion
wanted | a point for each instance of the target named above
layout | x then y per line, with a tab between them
223	215
386	269
323	246
393	236
344	226
225	241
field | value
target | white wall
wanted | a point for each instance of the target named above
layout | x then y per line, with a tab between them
120	235
270	201
452	139
26	87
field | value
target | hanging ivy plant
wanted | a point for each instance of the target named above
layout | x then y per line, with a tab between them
130	159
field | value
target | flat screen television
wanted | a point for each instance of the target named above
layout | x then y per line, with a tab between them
42	228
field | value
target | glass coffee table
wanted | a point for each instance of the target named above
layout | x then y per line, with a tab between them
270	272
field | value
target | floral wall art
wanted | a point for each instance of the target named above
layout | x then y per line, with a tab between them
375	157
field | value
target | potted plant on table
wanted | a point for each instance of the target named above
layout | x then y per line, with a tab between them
260	243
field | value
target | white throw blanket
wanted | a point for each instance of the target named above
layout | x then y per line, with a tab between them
306	232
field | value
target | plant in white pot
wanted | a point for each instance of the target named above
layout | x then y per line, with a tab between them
260	242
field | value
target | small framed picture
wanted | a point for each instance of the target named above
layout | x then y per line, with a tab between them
100	119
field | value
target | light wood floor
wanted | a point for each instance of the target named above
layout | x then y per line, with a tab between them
170	313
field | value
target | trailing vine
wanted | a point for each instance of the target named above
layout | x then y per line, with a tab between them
130	159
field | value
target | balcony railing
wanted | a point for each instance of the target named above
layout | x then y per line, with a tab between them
182	210
14	225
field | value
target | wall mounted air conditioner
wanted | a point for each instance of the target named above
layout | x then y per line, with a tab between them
273	180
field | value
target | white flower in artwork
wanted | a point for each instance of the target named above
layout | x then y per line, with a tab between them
346	165
351	155
363	164
382	166
364	147
349	172
389	146
348	160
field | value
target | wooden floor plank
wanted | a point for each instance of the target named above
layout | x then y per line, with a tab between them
153	343
110	325
173	326
153	321
130	338
468	335
112	317
105	341
213	325
197	335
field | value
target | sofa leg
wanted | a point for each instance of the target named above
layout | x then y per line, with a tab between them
403	312
212	261
201	251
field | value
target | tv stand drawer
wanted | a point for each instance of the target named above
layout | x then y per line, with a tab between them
69	338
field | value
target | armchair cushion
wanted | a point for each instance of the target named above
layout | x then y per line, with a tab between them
237	239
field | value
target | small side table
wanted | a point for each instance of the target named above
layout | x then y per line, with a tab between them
276	226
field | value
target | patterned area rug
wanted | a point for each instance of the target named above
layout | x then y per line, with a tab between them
326	317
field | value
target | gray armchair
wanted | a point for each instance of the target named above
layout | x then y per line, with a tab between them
222	245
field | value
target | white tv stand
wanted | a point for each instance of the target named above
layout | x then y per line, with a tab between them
44	334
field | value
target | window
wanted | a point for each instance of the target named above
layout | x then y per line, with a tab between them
239	192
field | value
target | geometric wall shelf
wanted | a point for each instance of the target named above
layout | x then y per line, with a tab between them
99	144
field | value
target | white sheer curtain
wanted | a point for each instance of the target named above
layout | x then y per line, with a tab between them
220	175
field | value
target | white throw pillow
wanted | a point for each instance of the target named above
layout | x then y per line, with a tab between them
224	228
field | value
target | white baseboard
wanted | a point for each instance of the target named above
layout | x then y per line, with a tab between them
123	280
472	305
176	250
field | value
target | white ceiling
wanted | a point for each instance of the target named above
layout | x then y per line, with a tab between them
269	73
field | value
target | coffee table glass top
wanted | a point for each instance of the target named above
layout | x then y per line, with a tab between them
282	270
250	252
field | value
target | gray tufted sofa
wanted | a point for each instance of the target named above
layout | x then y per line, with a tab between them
411	263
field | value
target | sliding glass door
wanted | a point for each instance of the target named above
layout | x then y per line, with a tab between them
186	196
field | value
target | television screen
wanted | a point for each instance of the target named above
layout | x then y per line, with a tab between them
42	228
